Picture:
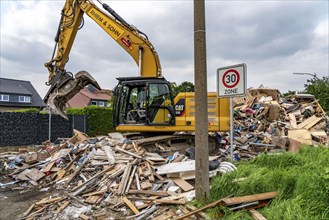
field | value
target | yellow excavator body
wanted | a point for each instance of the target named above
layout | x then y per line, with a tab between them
156	110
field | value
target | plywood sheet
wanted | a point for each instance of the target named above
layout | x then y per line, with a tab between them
301	135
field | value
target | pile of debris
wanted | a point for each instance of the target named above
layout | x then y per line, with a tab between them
137	178
142	178
265	121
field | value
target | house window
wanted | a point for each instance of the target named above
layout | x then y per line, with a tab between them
101	103
26	99
93	103
4	98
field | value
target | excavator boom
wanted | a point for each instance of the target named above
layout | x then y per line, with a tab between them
63	84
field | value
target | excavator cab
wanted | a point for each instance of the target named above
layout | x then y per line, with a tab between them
143	101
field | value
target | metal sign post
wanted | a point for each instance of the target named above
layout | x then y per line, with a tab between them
231	81
49	124
231	128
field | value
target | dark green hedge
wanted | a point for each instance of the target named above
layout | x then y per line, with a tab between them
27	110
100	119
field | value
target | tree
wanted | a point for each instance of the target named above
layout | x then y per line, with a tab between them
289	93
183	87
319	88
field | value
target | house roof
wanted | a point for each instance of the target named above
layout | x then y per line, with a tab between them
96	95
20	87
9	86
78	101
82	98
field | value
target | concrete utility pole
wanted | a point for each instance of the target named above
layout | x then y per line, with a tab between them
201	119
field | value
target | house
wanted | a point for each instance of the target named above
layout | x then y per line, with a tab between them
90	96
18	94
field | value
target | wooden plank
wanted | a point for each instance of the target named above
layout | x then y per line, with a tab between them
151	175
73	139
306	122
95	176
63	206
138	185
56	199
35	174
256	215
124	180
81	136
249	198
314	122
172	202
60	174
148	192
233	201
154	157
128	152
53	159
94	193
301	135
211	205
131	178
184	185
319	133
94	199
83	216
130	205
183	209
22	175
32	215
27	212
185	166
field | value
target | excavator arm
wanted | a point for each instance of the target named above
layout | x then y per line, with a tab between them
63	86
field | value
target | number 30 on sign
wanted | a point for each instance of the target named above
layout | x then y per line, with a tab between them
231	80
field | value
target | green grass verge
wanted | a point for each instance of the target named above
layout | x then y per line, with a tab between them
302	181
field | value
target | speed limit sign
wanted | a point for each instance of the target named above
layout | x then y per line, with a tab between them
231	80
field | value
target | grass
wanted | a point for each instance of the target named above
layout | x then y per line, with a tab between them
301	180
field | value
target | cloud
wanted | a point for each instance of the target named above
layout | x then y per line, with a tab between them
274	39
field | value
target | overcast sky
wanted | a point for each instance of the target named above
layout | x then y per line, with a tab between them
274	39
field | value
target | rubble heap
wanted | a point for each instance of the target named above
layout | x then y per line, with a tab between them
143	177
137	178
264	121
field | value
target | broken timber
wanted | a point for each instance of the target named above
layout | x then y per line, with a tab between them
233	201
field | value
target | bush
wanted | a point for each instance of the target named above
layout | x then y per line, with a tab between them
27	110
100	119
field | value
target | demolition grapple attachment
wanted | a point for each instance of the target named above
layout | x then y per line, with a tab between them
63	87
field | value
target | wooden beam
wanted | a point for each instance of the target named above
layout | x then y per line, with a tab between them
130	205
256	215
249	198
148	192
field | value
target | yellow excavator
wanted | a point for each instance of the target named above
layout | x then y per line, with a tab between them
141	104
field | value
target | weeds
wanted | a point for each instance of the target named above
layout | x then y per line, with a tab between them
300	179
